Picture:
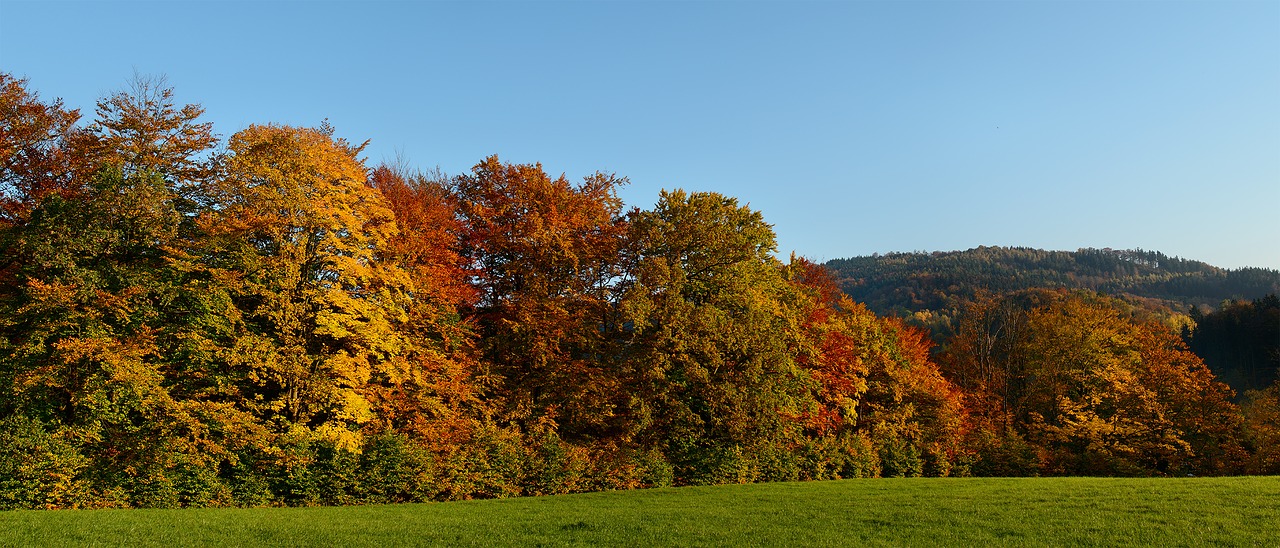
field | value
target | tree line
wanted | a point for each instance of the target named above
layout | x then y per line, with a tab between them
937	283
265	320
1240	341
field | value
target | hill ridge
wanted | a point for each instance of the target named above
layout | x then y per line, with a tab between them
904	283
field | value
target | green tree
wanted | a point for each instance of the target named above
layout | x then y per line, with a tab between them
713	377
90	339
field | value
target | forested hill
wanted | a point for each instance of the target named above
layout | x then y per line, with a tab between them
906	283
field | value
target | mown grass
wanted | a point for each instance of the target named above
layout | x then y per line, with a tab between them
881	512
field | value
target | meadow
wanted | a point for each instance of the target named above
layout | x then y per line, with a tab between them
1237	511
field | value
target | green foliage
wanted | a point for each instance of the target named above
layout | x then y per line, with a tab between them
553	467
899	458
710	333
394	470
855	456
38	468
487	465
1003	454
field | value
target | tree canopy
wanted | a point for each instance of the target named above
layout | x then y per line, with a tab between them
265	320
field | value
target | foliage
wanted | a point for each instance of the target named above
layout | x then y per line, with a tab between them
297	238
142	130
1092	390
543	254
36	156
40	469
1262	430
191	323
710	336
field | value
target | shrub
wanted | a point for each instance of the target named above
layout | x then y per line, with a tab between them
38	468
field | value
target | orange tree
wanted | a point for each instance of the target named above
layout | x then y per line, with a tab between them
1262	430
543	255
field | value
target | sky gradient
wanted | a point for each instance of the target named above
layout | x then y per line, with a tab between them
855	127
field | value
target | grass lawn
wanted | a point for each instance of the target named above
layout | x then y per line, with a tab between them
876	512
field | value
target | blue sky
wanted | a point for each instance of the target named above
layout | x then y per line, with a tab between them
856	127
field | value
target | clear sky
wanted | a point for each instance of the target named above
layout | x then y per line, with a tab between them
856	127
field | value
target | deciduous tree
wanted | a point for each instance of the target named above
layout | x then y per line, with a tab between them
544	259
714	381
301	240
1094	390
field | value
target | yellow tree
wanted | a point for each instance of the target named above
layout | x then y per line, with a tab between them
1117	395
1091	389
299	237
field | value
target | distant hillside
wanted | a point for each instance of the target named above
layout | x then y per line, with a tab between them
1238	341
905	284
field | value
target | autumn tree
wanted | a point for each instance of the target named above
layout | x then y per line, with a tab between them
142	129
883	406
300	241
1088	389
715	384
544	258
833	355
439	394
1262	430
93	338
272	323
34	159
97	317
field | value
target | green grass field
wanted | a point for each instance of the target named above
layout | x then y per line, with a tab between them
880	512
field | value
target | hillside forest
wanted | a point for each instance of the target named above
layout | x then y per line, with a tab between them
188	320
1230	318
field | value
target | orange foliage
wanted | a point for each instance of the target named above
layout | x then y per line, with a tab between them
1093	390
428	242
543	255
34	157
